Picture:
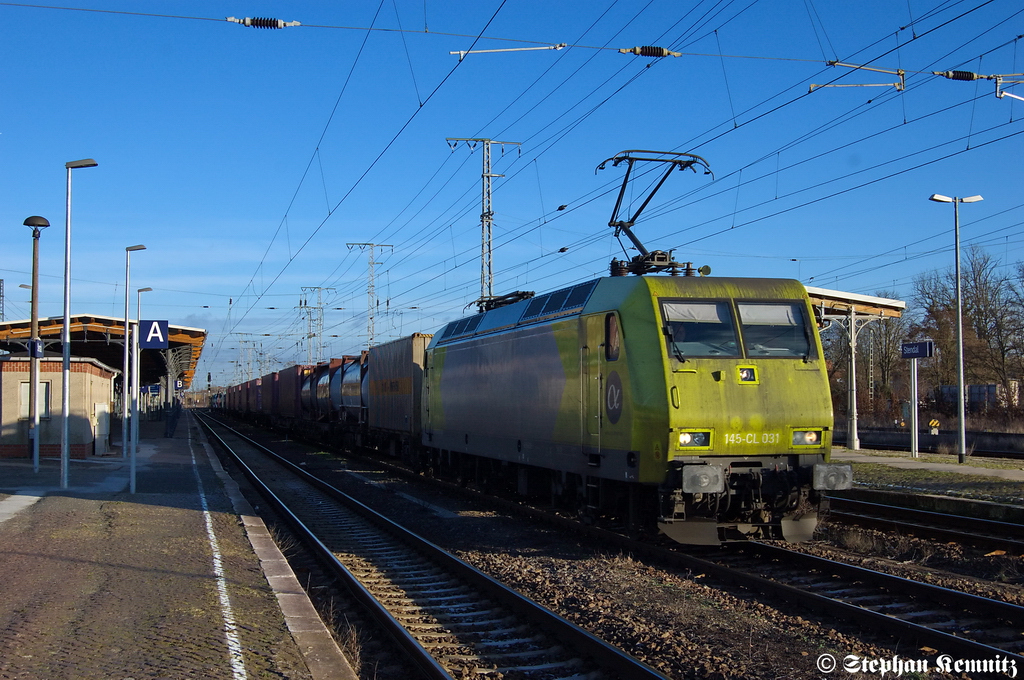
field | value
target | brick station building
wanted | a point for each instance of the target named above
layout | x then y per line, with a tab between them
97	345
90	398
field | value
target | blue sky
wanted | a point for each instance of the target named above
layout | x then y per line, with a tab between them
246	160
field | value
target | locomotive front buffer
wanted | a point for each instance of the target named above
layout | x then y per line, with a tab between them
711	502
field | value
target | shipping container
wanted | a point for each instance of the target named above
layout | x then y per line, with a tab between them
353	396
252	396
289	387
394	380
266	397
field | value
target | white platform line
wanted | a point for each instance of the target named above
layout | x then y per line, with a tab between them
230	628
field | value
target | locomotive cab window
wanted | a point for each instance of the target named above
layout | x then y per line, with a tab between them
775	329
700	329
611	337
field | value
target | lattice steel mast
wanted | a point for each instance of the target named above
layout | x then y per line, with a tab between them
314	323
371	293
486	215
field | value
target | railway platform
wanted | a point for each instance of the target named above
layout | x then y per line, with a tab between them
177	580
904	461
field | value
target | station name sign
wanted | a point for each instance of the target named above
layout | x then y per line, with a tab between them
917	350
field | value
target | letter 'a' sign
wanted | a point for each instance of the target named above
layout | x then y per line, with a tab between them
152	335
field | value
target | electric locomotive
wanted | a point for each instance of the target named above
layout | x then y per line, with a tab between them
698	407
701	402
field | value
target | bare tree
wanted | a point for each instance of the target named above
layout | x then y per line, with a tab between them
993	323
992	311
885	338
836	346
935	298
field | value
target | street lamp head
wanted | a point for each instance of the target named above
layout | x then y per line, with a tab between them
144	290
134	248
84	163
36	222
939	198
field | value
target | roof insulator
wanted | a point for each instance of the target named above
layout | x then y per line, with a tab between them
262	22
649	51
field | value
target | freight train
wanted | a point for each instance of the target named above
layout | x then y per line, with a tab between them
695	406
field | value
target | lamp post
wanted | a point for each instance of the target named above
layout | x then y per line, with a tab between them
65	335
135	386
127	349
961	410
34	346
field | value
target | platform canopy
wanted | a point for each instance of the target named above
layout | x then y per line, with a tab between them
102	338
836	301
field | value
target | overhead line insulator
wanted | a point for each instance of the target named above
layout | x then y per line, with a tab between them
960	75
1000	80
262	22
650	51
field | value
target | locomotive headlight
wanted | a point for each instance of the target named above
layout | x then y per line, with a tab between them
694	439
806	437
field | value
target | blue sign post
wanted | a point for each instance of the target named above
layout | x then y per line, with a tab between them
915	351
153	335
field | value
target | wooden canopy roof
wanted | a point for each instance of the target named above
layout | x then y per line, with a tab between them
102	338
837	301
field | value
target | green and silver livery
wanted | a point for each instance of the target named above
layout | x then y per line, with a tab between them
697	405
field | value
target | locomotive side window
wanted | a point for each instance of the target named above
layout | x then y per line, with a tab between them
775	329
611	338
700	329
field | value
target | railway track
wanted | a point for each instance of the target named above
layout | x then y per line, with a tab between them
953	622
448	617
956	623
984	533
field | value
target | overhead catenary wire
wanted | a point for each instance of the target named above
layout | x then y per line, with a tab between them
262	287
368	169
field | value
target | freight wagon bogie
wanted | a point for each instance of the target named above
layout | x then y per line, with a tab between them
592	499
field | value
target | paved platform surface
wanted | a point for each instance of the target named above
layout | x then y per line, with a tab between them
178	580
887	458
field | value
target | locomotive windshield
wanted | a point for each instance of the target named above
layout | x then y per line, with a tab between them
707	328
774	329
701	329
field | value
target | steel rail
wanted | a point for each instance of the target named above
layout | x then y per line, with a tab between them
412	648
882	621
754	580
969	530
897	586
609	658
